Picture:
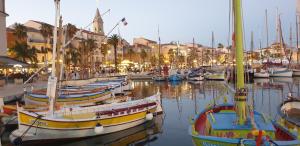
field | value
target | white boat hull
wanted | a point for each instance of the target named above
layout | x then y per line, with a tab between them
47	134
296	72
287	73
200	78
261	75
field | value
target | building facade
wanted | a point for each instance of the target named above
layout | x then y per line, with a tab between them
3	39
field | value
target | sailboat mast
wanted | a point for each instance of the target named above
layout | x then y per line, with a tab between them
267	28
159	43
240	97
193	45
297	38
212	47
252	47
52	81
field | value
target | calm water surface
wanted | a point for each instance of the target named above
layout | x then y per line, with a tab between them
183	100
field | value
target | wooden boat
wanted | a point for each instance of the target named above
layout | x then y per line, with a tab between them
79	122
215	76
261	74
69	123
296	72
196	78
280	72
159	78
175	76
71	96
214	126
289	112
238	124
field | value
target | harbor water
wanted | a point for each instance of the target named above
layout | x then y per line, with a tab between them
180	101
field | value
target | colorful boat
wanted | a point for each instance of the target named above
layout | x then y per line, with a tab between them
238	124
289	112
175	78
71	96
217	126
80	122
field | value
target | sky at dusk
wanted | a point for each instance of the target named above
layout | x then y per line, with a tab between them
179	20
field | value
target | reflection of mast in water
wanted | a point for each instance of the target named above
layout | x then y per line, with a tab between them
195	98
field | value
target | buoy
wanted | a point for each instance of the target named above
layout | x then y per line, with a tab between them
99	128
149	116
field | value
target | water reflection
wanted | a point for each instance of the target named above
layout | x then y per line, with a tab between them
184	99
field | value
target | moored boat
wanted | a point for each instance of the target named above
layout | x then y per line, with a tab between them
238	123
261	74
280	72
296	72
289	112
215	76
82	122
214	126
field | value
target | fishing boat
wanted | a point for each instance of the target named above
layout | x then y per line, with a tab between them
175	76
83	122
238	124
261	74
280	72
213	75
79	122
289	112
159	77
296	72
70	96
195	75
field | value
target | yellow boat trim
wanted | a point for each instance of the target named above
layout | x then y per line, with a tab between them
51	124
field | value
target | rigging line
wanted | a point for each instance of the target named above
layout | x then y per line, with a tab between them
229	24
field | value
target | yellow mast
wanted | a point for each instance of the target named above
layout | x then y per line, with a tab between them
240	96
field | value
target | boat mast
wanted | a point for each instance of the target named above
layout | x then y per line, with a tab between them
252	47
159	43
267	28
193	47
52	80
212	47
240	96
297	38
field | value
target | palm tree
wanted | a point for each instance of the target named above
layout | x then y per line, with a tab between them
87	51
21	52
143	55
73	56
46	31
130	53
171	55
104	51
71	30
20	32
114	41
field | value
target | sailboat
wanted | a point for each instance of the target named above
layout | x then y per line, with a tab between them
281	71
214	73
80	122
296	71
159	76
175	75
231	125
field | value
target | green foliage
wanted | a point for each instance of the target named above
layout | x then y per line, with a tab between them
23	53
114	41
143	55
20	31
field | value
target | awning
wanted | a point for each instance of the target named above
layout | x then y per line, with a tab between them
10	62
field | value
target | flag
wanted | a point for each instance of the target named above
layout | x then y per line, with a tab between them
124	21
